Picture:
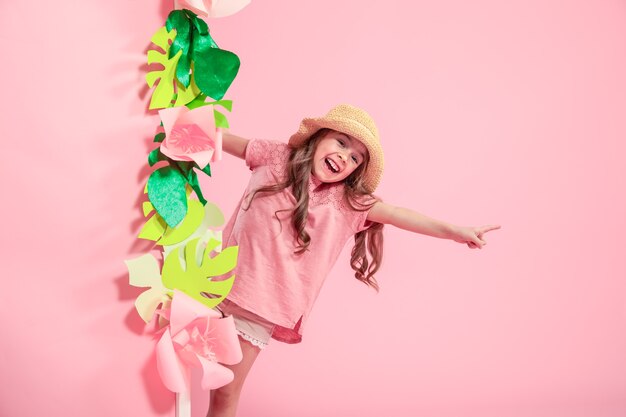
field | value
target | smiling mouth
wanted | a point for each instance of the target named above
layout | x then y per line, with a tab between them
331	165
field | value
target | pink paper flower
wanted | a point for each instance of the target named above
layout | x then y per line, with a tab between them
197	336
213	8
191	135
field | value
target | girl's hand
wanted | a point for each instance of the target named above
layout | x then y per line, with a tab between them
473	236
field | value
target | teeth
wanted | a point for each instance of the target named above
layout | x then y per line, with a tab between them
332	164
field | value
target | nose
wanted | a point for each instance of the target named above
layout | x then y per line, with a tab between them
342	157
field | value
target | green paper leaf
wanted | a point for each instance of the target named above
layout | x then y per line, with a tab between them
166	191
147	208
227	104
215	70
185	95
156	156
192	179
201	43
191	278
220	120
179	21
164	92
159	137
192	220
186	169
199	101
168	91
200	25
153	229
207	170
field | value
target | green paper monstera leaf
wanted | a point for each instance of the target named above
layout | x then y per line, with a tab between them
165	95
193	278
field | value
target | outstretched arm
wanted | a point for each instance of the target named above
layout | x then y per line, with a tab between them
234	145
418	223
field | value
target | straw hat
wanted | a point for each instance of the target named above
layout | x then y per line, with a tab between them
355	123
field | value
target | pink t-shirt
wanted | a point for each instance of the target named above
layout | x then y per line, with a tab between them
271	280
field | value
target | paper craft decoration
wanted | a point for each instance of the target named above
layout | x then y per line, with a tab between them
187	68
184	273
198	218
196	337
190	135
190	276
192	62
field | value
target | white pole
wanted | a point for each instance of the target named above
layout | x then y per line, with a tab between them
183	404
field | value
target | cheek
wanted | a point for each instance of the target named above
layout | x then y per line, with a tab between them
352	169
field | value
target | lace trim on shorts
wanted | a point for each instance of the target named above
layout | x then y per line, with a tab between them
254	341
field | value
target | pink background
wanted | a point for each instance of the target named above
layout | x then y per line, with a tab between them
489	111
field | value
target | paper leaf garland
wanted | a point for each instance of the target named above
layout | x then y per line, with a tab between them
191	278
186	68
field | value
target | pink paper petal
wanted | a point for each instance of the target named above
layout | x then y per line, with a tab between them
217	154
187	139
223	8
228	350
181	314
181	338
172	371
214	375
202	158
196	6
202	117
185	310
173	155
213	8
170	116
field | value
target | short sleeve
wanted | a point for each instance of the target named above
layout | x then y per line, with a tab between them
270	153
359	218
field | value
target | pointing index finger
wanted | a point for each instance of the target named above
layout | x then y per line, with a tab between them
489	228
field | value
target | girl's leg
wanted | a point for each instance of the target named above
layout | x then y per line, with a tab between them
224	400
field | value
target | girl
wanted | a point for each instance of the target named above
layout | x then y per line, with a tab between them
305	199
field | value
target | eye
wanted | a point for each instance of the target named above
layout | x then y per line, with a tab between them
342	143
355	159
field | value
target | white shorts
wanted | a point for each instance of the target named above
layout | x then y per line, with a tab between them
251	327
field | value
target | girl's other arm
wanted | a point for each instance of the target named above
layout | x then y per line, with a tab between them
234	145
418	223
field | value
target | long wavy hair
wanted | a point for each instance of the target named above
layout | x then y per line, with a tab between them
367	243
